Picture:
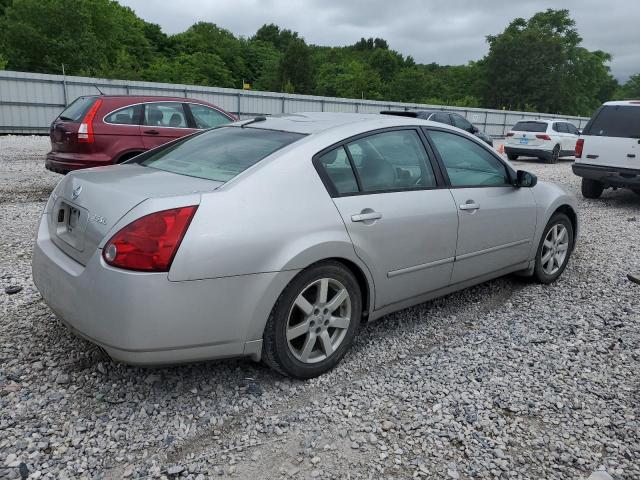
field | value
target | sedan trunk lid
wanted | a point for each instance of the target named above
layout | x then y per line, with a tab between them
88	203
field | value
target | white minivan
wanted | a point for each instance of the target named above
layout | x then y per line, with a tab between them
608	151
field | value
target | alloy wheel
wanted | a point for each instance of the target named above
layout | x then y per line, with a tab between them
554	249
318	320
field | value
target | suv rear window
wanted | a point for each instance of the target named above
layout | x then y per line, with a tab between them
77	110
530	127
219	154
615	121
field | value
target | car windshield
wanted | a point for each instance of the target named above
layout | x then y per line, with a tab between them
530	127
77	109
219	154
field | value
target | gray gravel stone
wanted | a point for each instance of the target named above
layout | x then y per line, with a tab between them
504	380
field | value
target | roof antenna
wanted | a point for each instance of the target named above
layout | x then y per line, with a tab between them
101	93
260	118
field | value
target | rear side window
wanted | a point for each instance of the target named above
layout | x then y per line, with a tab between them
338	168
461	122
441	118
615	121
530	127
125	116
219	154
77	110
165	114
393	160
560	127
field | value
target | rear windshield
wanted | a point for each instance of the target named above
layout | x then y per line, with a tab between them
219	154
78	108
530	127
615	121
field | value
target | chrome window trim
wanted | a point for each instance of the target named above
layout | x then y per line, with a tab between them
166	101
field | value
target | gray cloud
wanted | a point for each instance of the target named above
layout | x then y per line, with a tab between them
443	31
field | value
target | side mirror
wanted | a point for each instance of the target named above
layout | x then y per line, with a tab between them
525	179
474	129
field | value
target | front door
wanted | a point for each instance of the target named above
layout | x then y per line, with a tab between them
401	220
496	220
163	122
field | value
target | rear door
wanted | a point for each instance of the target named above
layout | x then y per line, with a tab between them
64	129
496	220
163	122
401	220
611	137
119	131
524	133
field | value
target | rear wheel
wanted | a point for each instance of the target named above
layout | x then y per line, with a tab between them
554	249
591	188
512	156
127	156
313	322
555	155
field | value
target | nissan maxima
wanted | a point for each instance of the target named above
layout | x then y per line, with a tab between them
275	238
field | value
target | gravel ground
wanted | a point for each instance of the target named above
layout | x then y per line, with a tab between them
505	380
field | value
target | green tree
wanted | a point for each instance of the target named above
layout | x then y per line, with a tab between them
539	62
295	67
199	68
90	37
350	79
630	90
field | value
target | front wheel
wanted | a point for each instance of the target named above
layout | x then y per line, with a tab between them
313	322
554	249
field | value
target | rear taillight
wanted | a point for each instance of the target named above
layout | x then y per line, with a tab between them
510	134
85	132
579	147
543	137
149	243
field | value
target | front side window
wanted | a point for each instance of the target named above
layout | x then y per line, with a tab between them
394	160
461	122
571	128
206	117
467	163
165	114
124	116
338	168
441	118
219	154
530	127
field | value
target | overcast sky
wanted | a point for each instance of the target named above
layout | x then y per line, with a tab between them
442	31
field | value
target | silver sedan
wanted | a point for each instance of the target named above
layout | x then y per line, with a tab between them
275	238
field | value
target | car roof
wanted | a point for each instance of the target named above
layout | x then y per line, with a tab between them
149	98
414	113
316	122
542	120
635	103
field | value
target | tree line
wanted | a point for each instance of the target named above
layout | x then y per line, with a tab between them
535	64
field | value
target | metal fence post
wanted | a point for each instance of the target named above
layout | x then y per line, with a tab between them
504	125
239	104
283	100
322	105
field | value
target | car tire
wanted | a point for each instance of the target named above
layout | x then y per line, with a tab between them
550	261
299	340
591	188
554	155
512	156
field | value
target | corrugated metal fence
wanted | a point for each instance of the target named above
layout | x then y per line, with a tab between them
30	101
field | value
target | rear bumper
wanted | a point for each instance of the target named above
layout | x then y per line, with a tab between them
527	152
145	319
610	176
65	162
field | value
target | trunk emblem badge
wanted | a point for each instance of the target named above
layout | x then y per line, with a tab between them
76	192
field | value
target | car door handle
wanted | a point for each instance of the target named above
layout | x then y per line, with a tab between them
151	132
363	217
631	155
470	205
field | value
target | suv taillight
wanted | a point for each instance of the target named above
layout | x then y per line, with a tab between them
85	132
579	147
149	243
510	134
543	137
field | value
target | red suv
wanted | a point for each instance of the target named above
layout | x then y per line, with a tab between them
104	129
